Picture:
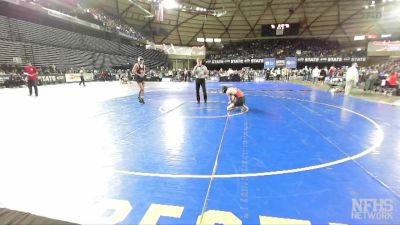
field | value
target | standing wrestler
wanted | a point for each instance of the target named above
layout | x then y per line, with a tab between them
138	71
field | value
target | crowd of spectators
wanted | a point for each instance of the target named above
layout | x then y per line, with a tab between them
9	69
381	78
387	68
281	48
96	16
114	23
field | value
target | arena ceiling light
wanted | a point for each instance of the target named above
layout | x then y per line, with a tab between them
359	37
386	35
209	40
219	13
372	4
170	4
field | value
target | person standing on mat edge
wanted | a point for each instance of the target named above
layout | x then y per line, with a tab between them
32	73
351	78
235	98
81	73
139	70
200	72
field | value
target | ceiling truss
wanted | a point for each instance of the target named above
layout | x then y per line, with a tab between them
331	19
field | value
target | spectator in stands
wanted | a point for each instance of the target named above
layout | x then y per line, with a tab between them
391	81
242	73
285	74
331	72
185	75
340	72
82	73
189	76
372	77
32	73
306	73
278	73
323	75
351	78
267	74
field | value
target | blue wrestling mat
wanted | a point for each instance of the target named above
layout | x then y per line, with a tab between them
295	154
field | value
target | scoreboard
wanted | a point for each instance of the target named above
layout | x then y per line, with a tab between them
280	29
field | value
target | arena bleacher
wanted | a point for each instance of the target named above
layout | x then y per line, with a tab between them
44	46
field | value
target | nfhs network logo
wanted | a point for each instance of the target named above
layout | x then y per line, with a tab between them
372	209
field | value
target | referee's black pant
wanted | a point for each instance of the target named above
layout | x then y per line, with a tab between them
201	82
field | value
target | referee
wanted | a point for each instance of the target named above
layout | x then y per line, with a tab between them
200	72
